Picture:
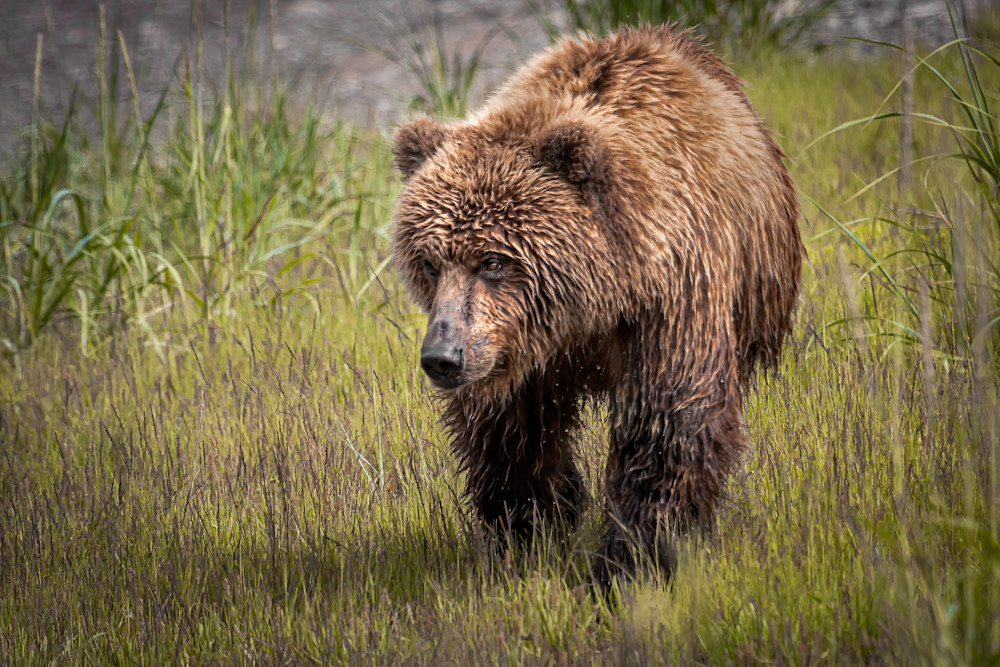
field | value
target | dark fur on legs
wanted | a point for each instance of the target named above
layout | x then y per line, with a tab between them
517	456
674	435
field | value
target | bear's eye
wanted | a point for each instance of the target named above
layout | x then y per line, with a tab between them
429	269
491	267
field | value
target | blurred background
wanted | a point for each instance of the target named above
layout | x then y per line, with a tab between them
335	50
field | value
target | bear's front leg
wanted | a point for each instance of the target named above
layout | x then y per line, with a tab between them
675	432
517	457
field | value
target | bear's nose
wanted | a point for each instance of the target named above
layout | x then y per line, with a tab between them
442	363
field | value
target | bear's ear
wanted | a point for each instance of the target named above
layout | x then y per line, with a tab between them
573	150
415	142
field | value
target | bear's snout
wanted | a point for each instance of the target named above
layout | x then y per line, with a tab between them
440	356
442	363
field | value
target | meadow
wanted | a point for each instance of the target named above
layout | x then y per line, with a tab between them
217	445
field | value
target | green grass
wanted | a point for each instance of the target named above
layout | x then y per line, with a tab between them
418	45
229	453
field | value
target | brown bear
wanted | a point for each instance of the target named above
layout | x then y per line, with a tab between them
617	223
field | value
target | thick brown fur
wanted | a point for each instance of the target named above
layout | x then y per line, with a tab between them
645	230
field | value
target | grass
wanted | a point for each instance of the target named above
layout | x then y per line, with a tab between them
948	250
228	452
241	196
418	45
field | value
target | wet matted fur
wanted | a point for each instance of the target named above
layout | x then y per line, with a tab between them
614	222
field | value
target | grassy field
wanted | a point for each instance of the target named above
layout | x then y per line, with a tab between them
216	443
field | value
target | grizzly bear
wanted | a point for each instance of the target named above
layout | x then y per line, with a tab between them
617	223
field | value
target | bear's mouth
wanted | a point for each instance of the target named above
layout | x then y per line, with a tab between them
446	383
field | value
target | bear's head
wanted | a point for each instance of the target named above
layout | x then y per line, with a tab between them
495	237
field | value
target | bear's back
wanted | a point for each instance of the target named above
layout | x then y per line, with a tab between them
632	71
669	110
630	67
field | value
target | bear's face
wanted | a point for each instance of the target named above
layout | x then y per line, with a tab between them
478	297
491	241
